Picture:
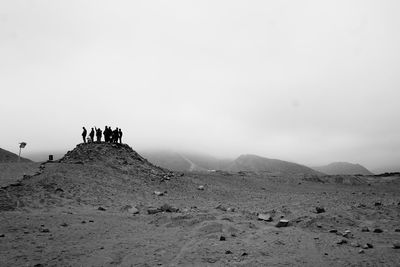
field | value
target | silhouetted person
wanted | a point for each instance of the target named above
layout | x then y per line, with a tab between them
84	133
110	133
105	133
91	135
120	136
115	136
98	134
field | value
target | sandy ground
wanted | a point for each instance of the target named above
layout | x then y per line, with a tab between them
217	226
10	172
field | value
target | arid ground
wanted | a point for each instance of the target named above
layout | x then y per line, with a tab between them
104	205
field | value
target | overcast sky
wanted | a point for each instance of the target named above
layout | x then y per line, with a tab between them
305	81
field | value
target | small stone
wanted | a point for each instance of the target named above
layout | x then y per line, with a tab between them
230	209
369	245
168	208
222	238
396	245
83	222
320	209
244	254
364	229
264	217
319	225
378	204
45	230
333	231
361	251
354	244
282	223
228	252
200	187
101	208
64	224
377	230
91	221
133	210
158	193
365	246
397	230
220	207
2	235
153	210
341	241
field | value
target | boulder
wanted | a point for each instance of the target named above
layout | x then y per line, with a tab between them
341	241
320	209
221	207
153	210
168	208
133	210
264	217
365	229
282	223
158	193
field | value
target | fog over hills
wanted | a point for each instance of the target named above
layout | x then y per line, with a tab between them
337	168
197	162
257	164
180	161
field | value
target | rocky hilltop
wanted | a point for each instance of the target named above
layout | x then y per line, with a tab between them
96	173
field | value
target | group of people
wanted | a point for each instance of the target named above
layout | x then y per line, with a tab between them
110	136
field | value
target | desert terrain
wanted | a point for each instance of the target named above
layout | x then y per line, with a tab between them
105	205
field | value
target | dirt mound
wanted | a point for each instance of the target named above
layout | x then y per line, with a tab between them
91	174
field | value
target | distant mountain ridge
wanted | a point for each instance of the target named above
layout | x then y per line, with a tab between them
203	163
8	157
258	164
338	168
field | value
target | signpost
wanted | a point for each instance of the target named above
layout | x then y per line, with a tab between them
21	145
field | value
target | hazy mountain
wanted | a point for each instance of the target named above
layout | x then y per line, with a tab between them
259	164
337	168
184	161
7	156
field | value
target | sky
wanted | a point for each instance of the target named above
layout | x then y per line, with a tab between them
307	81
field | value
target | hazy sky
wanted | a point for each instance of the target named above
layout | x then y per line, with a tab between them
305	81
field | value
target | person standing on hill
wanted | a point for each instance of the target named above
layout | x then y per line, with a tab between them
105	133
84	133
98	134
115	136
120	136
91	135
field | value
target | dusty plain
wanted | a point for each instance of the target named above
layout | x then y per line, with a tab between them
116	209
